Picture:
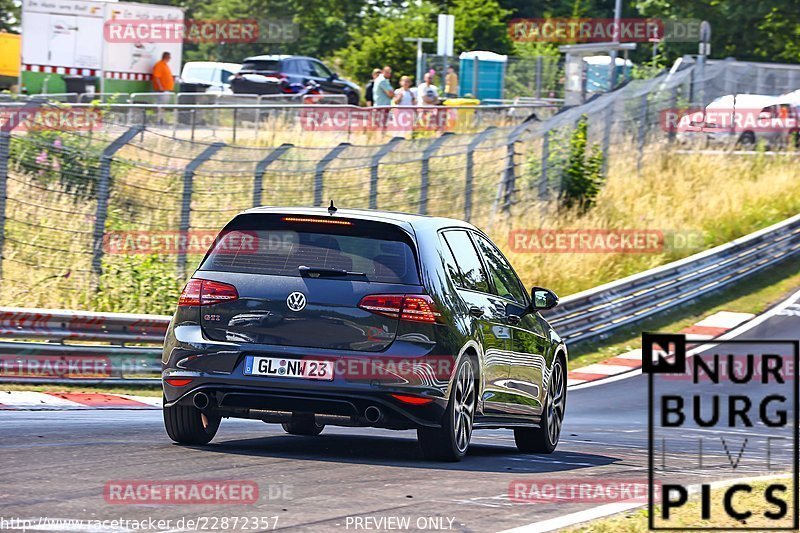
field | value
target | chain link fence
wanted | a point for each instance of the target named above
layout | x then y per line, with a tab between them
102	219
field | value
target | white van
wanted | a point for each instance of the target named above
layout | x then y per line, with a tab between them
741	119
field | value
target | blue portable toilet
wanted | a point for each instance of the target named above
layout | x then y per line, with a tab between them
598	72
490	79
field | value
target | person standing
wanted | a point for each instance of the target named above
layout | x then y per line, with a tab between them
427	91
382	92
451	83
163	82
404	95
368	89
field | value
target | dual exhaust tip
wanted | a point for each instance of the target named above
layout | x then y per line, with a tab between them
372	414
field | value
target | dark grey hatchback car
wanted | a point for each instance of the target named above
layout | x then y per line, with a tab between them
311	317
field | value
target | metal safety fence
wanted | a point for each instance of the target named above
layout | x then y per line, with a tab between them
71	353
115	217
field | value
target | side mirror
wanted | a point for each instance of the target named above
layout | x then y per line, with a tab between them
542	299
334	76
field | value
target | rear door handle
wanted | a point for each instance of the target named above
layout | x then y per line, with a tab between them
475	311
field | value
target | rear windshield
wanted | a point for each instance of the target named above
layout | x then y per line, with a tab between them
262	65
280	244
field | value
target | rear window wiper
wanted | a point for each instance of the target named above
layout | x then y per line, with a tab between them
316	272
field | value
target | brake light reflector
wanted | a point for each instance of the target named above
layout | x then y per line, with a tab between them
205	292
412	400
310	220
178	382
412	308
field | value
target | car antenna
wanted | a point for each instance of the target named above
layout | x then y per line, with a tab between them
332	209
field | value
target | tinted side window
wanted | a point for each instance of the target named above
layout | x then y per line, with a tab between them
472	272
506	282
320	69
450	264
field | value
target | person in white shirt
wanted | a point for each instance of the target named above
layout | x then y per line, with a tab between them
428	92
404	96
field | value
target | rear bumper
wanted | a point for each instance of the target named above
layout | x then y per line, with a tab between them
341	407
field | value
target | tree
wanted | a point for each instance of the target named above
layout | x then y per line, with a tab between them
378	41
480	25
9	16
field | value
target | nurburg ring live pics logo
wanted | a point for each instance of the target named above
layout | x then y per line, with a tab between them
726	412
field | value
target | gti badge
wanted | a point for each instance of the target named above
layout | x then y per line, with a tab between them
296	301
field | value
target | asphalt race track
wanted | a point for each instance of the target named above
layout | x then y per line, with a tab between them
56	464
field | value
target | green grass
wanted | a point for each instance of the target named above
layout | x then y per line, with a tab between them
752	295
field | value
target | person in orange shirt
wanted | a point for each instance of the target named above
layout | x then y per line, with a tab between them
163	82
162	75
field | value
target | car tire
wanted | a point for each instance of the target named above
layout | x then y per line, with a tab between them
451	441
186	424
303	425
544	439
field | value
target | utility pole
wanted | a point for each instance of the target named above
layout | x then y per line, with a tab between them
419	41
617	18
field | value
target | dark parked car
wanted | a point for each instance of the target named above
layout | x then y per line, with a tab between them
309	317
275	74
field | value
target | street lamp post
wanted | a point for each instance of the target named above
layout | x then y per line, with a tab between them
419	41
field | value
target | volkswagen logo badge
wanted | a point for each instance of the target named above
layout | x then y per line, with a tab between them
296	301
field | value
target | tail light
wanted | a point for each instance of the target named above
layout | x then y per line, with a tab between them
205	292
412	308
178	382
412	400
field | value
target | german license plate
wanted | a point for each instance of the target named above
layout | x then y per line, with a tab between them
281	367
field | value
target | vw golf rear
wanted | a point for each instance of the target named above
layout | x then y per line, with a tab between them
308	317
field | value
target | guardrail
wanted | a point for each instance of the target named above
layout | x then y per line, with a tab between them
595	313
589	315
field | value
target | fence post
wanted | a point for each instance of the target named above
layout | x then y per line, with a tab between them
425	178
608	116
5	146
642	134
507	185
373	171
470	172
103	191
319	172
544	184
539	70
673	103
261	167
186	200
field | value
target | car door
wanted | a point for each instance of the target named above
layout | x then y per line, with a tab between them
324	77
488	313
528	344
